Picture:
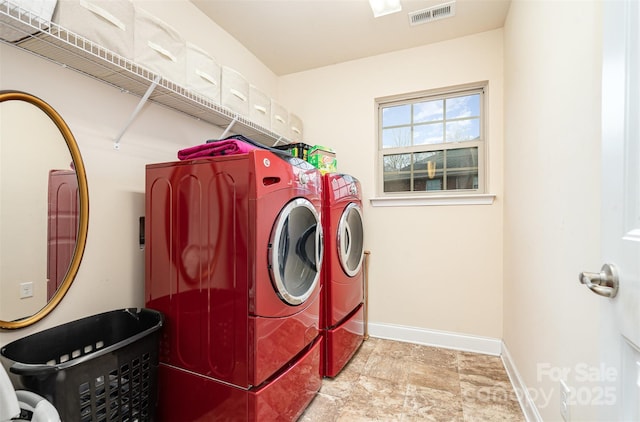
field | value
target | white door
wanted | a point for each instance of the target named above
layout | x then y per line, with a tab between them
620	340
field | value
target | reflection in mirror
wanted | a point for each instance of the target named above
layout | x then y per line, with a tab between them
43	209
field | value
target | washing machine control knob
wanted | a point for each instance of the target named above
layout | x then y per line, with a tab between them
353	189
303	178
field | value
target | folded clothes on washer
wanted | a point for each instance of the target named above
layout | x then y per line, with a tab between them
213	149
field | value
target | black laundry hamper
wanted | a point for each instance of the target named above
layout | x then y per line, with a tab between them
99	368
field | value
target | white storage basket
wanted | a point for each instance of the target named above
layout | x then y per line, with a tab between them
235	91
39	12
203	73
159	47
295	128
259	107
279	119
108	23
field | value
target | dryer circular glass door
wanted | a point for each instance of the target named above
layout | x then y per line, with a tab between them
351	239
295	255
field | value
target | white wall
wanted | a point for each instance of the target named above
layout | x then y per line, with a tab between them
434	267
111	275
552	192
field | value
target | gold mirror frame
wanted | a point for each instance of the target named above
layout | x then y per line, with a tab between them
83	221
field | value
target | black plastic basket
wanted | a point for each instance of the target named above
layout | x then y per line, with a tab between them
298	150
99	368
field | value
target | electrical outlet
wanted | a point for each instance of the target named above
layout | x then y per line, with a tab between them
565	411
26	290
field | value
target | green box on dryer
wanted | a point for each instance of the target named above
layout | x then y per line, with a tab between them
323	158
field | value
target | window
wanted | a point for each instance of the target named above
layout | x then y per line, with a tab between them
432	143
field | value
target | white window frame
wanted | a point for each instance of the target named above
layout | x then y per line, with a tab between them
438	197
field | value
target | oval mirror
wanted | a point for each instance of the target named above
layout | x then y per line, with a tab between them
44	209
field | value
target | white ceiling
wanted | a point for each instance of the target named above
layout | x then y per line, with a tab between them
295	35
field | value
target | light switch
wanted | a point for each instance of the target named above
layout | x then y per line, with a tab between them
26	290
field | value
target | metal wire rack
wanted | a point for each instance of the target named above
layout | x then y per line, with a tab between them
46	39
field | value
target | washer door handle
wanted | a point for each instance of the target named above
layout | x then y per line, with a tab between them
346	247
319	246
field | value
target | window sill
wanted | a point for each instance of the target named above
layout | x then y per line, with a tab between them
411	201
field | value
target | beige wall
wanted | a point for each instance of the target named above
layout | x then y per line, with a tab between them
432	267
552	192
111	274
437	263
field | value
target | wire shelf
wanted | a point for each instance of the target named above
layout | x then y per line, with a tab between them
49	40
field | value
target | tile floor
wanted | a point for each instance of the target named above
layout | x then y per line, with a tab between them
394	381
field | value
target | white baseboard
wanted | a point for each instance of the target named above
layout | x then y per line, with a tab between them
526	402
444	339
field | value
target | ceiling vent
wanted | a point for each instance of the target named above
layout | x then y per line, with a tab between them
434	13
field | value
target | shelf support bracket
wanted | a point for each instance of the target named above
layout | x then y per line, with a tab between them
143	100
277	141
228	129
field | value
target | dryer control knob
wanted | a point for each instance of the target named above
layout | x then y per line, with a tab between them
353	189
303	178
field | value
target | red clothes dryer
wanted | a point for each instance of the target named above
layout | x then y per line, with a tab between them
343	288
233	256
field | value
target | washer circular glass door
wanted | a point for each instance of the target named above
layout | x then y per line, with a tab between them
295	254
351	239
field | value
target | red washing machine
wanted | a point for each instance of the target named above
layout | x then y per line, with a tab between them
233	256
343	279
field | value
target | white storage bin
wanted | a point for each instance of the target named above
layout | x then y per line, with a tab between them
279	119
41	10
203	73
295	128
259	107
108	23
235	91
159	47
